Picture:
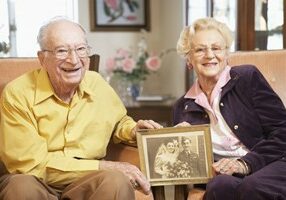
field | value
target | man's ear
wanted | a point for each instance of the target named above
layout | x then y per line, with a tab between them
41	57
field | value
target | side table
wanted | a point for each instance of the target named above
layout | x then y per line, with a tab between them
160	112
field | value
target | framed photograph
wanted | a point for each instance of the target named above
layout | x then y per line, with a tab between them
176	156
119	15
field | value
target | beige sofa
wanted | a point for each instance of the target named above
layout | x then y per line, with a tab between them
272	64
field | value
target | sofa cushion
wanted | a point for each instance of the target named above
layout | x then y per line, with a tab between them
271	63
11	68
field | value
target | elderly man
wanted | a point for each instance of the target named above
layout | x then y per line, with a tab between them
56	123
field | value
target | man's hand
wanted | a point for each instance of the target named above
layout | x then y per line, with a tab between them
145	124
230	166
137	179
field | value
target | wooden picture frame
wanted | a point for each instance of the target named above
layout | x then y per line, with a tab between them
131	15
176	156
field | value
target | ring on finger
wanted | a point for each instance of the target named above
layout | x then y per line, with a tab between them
134	184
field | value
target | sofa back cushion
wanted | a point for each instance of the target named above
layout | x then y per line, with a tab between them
271	63
10	68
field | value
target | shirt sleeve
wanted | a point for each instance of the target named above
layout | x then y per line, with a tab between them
123	130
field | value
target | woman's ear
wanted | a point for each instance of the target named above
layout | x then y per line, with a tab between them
189	65
227	54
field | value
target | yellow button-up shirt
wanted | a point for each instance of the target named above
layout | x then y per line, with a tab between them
43	136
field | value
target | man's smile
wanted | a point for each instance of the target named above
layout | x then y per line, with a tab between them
70	69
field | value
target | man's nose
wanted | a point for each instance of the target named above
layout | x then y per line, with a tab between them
73	56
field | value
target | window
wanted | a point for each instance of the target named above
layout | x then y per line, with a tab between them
4	27
268	24
21	20
222	10
196	9
256	24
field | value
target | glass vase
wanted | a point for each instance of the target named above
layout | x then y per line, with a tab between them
128	90
135	89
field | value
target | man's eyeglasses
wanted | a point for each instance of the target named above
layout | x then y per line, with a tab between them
201	51
63	52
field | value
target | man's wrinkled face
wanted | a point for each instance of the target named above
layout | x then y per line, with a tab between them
62	56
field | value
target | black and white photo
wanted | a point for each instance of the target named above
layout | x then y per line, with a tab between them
175	155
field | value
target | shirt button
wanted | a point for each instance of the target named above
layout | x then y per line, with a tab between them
235	127
221	104
186	107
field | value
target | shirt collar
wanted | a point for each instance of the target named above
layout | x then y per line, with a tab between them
84	87
44	89
195	91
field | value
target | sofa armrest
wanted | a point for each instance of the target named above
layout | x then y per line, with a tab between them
123	153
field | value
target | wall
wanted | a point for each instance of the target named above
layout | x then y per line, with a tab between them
167	20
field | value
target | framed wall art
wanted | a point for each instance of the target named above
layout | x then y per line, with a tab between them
119	15
176	156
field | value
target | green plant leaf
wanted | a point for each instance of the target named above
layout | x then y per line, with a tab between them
106	9
135	4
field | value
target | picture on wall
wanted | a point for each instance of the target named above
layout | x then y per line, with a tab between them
119	15
176	155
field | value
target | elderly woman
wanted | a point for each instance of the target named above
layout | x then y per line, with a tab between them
247	118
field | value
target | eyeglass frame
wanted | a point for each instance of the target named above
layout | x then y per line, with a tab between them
68	50
204	50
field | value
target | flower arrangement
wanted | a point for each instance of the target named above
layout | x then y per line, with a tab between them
134	66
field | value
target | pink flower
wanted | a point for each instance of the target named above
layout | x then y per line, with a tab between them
153	63
110	64
122	53
128	64
134	65
113	4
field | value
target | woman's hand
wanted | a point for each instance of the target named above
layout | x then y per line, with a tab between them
183	124
230	166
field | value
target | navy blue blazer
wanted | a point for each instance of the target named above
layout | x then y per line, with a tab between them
252	110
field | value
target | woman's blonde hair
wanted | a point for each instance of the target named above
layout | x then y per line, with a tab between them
184	41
